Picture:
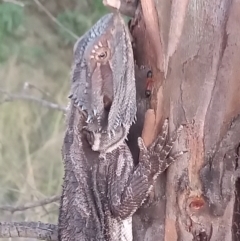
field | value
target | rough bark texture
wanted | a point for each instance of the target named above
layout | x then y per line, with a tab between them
193	50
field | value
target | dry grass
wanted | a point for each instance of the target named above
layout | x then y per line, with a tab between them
30	135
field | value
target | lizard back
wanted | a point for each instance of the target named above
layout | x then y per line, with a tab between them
102	109
102	188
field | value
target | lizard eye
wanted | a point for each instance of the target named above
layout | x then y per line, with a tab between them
102	54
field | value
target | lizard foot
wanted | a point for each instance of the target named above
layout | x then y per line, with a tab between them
157	156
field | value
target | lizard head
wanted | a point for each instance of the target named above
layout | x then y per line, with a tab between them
103	82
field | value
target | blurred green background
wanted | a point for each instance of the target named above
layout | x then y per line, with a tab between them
35	60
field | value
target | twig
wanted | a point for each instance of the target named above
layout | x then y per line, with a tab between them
38	230
30	205
28	85
45	103
55	20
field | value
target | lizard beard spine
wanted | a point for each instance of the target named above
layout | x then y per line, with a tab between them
102	188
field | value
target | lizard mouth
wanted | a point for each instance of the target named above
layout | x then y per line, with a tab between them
97	134
103	141
96	117
95	122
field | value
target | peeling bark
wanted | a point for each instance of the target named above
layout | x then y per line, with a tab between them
193	50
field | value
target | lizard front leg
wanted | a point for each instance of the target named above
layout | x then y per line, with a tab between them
127	189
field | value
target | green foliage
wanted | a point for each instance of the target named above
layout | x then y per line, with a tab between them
32	55
11	17
5	50
31	136
80	19
74	21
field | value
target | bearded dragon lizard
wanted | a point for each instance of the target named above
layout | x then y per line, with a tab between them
102	188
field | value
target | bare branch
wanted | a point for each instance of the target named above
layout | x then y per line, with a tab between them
30	205
55	20
38	230
29	86
45	103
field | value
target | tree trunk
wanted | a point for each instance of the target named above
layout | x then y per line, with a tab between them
193	50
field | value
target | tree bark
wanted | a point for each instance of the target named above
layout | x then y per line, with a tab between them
193	50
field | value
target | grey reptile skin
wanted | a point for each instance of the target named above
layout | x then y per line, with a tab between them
102	188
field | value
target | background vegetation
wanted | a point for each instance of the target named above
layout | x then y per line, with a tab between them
35	60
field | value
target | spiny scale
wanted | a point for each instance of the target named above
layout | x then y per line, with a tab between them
97	204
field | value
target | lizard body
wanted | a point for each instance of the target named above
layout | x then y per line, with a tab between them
102	188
